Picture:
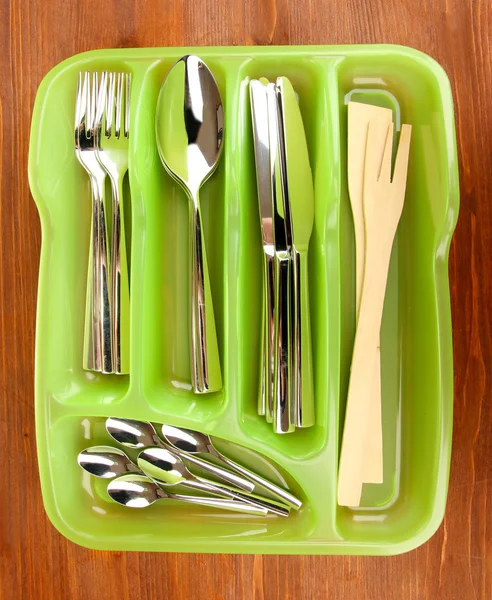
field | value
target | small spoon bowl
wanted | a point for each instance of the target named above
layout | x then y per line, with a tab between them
105	462
131	433
160	464
135	491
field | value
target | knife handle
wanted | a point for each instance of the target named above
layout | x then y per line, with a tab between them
303	355
262	392
282	390
269	332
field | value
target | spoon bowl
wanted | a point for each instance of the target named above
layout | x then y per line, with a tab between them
135	491
186	440
131	433
160	464
190	123
105	462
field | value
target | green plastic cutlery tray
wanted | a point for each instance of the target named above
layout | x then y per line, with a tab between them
416	343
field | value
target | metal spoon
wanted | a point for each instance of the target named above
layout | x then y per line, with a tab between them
138	491
141	434
160	464
106	462
194	442
189	131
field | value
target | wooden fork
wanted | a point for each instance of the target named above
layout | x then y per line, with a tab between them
383	199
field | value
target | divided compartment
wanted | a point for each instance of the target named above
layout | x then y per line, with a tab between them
311	79
65	204
410	352
161	321
85	512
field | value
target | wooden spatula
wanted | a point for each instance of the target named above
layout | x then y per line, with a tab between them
359	115
383	199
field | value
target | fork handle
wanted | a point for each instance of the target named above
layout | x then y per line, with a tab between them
120	285
92	339
205	364
103	275
97	346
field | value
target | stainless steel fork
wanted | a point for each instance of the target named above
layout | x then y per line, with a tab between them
88	117
113	157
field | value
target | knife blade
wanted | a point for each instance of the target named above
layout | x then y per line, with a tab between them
261	136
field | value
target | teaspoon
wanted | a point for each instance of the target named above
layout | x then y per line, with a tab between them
138	491
195	442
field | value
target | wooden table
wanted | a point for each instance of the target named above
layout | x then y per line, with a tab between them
36	562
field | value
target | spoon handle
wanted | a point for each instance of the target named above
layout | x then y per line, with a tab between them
207	486
120	286
273	506
222	503
282	494
206	375
223	474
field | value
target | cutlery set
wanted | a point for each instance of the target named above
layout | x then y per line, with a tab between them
164	453
102	129
286	206
189	135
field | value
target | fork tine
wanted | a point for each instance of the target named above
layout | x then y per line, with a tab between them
402	155
127	104
110	105
84	104
385	172
78	102
119	100
90	95
101	100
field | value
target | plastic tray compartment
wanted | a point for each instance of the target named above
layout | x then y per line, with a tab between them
416	333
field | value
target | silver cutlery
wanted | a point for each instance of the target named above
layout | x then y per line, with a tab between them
89	109
286	206
106	462
140	434
112	153
138	491
165	466
282	413
259	111
102	128
300	199
189	131
194	442
157	464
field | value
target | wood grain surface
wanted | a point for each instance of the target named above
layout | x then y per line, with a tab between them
36	562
